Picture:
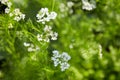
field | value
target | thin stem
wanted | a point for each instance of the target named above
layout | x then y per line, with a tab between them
53	4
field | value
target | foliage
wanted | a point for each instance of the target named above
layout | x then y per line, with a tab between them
90	37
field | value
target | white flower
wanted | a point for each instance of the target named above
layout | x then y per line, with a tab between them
60	59
17	15
6	2
52	15
62	7
43	12
7	10
54	35
65	56
56	62
3	1
55	58
30	49
9	4
47	19
44	15
56	53
70	4
17	11
64	66
40	16
47	28
22	16
39	37
17	18
88	5
26	44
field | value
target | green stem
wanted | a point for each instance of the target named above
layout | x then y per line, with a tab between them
53	4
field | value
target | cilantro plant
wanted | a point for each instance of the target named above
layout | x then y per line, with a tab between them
59	40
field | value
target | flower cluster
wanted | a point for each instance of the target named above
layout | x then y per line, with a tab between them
45	16
17	14
31	47
61	59
88	5
66	8
47	33
8	4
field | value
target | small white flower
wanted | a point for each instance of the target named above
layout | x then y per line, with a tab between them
56	53
60	59
44	16
17	18
39	37
43	11
7	10
88	5
47	19
9	4
56	62
17	11
17	15
64	66
47	28
22	16
65	56
4	1
70	4
62	7
26	44
52	15
54	36
30	49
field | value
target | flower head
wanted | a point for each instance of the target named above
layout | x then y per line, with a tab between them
65	56
64	66
70	4
61	59
7	10
88	5
44	15
54	35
